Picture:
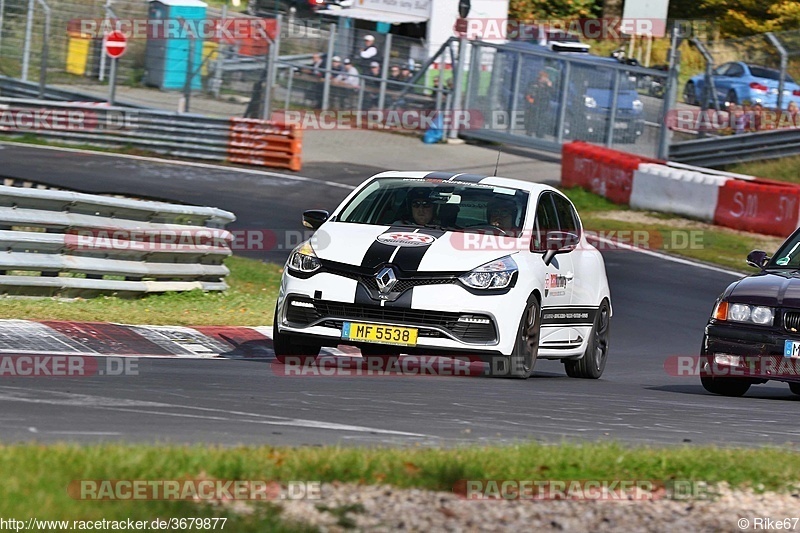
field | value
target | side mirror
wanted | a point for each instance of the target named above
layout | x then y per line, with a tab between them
559	242
757	258
314	218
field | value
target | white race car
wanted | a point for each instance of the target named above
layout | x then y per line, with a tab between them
448	264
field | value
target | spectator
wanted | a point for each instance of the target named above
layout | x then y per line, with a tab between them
406	74
313	91
373	85
394	73
537	99
792	112
758	117
368	53
317	68
349	74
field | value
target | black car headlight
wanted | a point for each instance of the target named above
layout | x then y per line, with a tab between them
745	313
303	259
497	274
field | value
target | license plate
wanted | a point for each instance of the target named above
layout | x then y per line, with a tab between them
357	331
791	349
621	125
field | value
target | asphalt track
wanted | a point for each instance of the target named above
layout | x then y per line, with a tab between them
660	308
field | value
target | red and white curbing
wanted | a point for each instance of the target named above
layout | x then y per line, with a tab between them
22	337
732	200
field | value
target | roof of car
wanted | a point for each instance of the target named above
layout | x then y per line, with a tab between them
472	178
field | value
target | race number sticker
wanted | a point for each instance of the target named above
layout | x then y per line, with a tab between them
405	238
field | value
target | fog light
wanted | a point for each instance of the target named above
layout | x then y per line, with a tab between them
726	359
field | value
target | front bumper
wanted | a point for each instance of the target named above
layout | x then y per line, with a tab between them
741	351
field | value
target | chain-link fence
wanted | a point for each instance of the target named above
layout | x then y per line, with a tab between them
531	96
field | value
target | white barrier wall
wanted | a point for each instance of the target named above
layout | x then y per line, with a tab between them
674	190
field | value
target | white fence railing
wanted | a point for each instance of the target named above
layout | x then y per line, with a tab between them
67	243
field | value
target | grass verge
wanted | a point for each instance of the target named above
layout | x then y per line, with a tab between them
668	233
783	169
36	477
249	301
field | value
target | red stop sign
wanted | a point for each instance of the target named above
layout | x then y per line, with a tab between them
115	44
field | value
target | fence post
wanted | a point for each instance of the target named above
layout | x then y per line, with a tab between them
562	103
26	51
457	83
272	67
45	49
669	94
512	118
187	89
784	63
387	55
326	88
612	111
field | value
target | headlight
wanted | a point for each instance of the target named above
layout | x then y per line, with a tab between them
495	275
638	106
303	259
751	314
589	102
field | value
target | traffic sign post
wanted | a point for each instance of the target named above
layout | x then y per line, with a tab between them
114	46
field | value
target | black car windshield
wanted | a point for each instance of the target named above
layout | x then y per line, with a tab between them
447	205
788	255
768	73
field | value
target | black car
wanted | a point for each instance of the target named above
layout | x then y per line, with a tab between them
753	335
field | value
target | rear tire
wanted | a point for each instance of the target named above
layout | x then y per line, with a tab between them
725	386
522	359
288	350
795	388
593	362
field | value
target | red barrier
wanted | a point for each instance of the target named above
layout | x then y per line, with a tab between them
600	170
760	206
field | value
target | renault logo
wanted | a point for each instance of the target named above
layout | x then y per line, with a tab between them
386	279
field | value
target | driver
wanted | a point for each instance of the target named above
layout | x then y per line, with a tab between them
502	213
421	210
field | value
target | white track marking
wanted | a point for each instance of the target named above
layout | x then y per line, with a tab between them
668	257
281	175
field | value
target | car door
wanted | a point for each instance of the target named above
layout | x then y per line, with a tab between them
722	82
559	273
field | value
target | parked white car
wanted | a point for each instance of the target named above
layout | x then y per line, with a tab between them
448	264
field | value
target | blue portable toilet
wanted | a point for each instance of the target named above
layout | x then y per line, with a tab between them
169	41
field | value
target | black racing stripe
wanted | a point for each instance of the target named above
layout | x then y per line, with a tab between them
403	301
362	296
568	316
468	178
408	258
379	253
439	175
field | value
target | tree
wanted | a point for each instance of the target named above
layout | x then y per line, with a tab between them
738	18
552	9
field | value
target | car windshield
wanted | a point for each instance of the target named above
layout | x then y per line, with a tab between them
768	73
788	255
434	203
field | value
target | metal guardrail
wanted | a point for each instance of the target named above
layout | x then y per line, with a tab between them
238	140
69	244
15	88
718	151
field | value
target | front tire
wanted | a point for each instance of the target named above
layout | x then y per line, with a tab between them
795	388
288	350
725	386
593	362
526	349
690	93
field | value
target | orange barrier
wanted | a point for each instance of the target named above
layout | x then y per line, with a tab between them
761	206
265	143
